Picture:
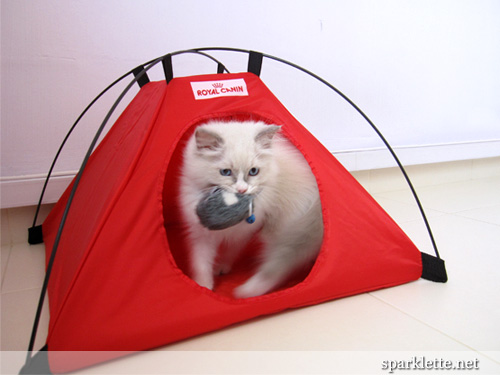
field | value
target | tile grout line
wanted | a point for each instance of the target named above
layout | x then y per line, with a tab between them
431	327
20	290
419	320
410	203
457	214
9	244
6	264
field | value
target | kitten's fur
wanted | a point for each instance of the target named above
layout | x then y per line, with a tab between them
286	205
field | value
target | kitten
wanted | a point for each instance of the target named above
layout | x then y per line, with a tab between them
252	158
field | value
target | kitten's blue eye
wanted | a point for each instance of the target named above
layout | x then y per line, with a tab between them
225	172
253	172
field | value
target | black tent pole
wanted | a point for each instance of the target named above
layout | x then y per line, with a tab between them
63	143
68	206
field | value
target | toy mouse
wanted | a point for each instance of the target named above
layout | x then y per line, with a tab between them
220	209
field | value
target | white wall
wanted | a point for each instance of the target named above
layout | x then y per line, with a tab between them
426	72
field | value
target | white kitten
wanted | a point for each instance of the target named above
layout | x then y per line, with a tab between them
251	158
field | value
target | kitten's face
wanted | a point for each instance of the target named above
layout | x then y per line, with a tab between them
235	156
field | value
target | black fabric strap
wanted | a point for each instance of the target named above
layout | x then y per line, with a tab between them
142	77
220	68
433	269
167	67
38	364
255	62
35	235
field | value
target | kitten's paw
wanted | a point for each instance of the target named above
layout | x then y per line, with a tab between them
255	286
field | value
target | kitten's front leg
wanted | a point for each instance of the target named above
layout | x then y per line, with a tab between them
279	262
266	279
271	273
236	243
203	254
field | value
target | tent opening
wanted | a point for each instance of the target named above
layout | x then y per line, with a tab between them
248	261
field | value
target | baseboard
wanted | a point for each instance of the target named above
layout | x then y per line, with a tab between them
25	190
379	158
456	161
422	175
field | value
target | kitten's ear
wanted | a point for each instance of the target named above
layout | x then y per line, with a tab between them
265	137
208	140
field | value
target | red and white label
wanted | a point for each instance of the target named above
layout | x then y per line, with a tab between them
219	89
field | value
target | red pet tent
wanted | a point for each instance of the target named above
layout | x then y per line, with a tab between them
120	281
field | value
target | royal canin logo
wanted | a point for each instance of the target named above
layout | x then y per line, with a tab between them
218	89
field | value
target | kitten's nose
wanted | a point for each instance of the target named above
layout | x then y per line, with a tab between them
242	189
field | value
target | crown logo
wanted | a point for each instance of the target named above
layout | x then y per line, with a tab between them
217	85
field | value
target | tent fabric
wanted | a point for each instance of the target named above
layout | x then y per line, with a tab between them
120	282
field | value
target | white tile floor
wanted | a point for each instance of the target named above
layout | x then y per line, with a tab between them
459	320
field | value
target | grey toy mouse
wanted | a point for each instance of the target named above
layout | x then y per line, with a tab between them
219	209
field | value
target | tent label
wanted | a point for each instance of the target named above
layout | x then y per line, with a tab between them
218	89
